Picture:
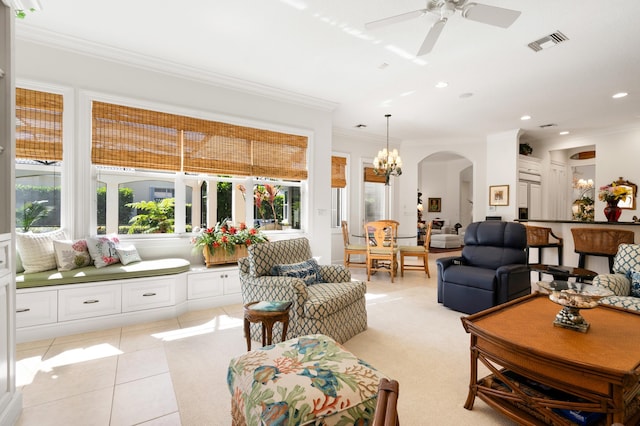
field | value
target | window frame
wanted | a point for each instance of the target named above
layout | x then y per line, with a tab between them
86	99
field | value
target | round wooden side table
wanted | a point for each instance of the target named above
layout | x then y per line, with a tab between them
267	316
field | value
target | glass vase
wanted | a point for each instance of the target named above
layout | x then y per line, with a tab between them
612	211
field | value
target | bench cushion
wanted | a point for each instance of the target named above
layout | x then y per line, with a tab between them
118	271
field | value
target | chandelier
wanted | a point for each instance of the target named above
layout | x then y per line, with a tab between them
387	163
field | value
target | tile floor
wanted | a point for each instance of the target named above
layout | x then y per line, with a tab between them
113	377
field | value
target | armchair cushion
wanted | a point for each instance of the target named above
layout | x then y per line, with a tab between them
308	271
625	282
635	284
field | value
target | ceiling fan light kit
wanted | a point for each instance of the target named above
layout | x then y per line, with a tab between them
492	15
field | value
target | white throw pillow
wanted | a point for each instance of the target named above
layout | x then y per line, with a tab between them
71	254
36	250
128	254
103	250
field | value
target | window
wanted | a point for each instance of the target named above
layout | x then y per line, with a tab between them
209	157
374	196
38	160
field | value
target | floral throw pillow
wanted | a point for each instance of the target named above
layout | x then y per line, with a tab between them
635	283
71	254
103	250
308	271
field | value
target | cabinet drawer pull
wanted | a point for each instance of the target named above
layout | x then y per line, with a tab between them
88	302
148	294
22	310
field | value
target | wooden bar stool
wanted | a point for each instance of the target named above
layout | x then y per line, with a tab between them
599	242
539	237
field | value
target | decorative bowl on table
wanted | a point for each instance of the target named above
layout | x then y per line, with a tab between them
573	296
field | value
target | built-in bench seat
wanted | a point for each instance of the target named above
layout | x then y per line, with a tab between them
118	271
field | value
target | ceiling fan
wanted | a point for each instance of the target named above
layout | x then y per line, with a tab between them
486	14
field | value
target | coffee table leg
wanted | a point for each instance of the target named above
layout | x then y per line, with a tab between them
247	333
473	380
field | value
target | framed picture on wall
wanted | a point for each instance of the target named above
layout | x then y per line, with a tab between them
434	205
499	195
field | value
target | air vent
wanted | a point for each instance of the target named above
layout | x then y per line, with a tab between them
548	41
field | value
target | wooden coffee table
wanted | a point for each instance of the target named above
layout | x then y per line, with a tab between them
597	371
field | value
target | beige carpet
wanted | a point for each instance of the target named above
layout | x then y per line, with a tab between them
410	338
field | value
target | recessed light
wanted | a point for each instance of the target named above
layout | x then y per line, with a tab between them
619	95
525	117
564	132
441	84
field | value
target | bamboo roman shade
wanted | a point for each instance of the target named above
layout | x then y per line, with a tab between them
371	176
338	172
38	125
132	137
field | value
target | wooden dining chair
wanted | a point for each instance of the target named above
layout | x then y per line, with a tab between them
352	249
420	252
382	250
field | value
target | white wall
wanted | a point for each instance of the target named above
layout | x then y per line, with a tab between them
84	73
502	169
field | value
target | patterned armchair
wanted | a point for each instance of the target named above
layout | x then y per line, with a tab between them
625	281
335	306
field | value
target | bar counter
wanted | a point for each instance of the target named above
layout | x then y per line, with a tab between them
562	228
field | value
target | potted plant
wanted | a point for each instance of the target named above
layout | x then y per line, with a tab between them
225	243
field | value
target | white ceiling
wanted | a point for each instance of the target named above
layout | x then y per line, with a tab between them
320	49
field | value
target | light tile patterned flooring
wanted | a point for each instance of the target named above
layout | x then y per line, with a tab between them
112	377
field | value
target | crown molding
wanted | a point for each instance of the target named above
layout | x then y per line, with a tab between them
109	53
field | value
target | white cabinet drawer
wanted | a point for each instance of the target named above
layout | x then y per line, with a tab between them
89	302
147	295
36	308
232	282
205	284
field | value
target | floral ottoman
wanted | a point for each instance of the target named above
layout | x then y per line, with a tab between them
308	380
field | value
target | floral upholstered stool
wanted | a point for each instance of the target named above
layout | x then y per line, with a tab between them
308	380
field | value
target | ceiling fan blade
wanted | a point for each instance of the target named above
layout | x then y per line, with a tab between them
394	19
491	15
432	37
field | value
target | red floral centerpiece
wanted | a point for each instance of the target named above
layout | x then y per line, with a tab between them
226	243
612	194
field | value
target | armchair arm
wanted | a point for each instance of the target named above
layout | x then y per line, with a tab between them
619	284
335	274
445	262
513	281
273	288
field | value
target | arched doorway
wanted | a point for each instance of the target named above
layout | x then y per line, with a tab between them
447	178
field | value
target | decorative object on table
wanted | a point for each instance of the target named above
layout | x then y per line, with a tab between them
583	207
613	194
573	296
499	195
225	243
435	205
387	163
525	149
267	313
